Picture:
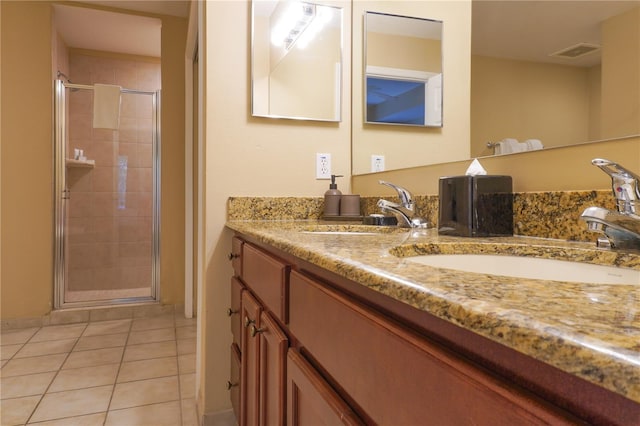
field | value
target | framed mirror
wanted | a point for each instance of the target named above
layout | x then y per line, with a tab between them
403	70
296	60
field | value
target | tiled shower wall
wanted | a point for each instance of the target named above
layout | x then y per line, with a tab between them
109	221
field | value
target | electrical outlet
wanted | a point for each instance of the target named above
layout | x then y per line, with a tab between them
377	163
323	166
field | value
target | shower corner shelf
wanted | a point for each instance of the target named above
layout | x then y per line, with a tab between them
90	164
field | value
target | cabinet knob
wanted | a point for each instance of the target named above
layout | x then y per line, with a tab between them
255	330
231	385
248	321
232	256
231	311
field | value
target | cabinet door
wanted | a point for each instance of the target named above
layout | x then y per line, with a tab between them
397	377
310	400
250	362
234	382
273	351
234	310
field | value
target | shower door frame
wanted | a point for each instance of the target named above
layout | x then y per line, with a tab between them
61	195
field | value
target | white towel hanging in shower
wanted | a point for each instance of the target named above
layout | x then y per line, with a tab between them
106	106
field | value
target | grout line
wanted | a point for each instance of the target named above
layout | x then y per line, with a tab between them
115	382
55	376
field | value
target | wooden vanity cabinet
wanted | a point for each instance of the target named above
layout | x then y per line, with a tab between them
313	354
310	400
395	376
261	289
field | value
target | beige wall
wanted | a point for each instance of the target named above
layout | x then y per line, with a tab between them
528	100
409	53
248	156
27	219
27	206
621	74
558	169
414	146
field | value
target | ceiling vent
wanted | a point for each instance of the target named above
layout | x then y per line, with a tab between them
576	51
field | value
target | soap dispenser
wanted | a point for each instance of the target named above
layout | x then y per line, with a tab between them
332	198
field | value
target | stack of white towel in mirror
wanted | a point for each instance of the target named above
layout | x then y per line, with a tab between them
509	146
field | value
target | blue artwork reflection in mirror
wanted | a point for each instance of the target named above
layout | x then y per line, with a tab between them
395	101
403	70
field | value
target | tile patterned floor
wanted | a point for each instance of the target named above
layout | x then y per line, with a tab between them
130	372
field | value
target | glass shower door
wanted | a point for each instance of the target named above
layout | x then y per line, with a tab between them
108	229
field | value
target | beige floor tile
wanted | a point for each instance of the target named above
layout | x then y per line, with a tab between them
93	357
39	364
46	348
57	332
165	414
3	363
59	405
12	337
87	420
186	332
148	369
143	392
188	385
186	346
17	411
187	363
189	413
150	336
7	351
28	385
165	321
107	327
101	342
150	350
85	377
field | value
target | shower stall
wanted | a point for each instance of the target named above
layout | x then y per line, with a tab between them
107	198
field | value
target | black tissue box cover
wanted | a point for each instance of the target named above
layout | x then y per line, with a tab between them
476	206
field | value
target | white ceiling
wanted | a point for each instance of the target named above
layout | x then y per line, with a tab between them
532	30
93	29
518	29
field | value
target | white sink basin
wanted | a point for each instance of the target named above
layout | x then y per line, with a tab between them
531	267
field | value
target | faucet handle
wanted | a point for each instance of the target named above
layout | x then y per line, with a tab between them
625	184
406	199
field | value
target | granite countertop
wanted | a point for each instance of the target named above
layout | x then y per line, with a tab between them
589	330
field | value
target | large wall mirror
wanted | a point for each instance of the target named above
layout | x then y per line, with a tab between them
296	63
403	70
535	74
561	72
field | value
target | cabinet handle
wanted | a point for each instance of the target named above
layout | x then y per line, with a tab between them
248	321
255	330
231	385
231	311
232	256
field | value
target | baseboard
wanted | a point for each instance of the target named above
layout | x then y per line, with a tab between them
220	418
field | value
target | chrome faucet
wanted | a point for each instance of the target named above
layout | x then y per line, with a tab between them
621	228
405	211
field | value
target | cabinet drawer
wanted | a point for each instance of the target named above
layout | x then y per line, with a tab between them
311	401
268	278
234	310
236	256
376	361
